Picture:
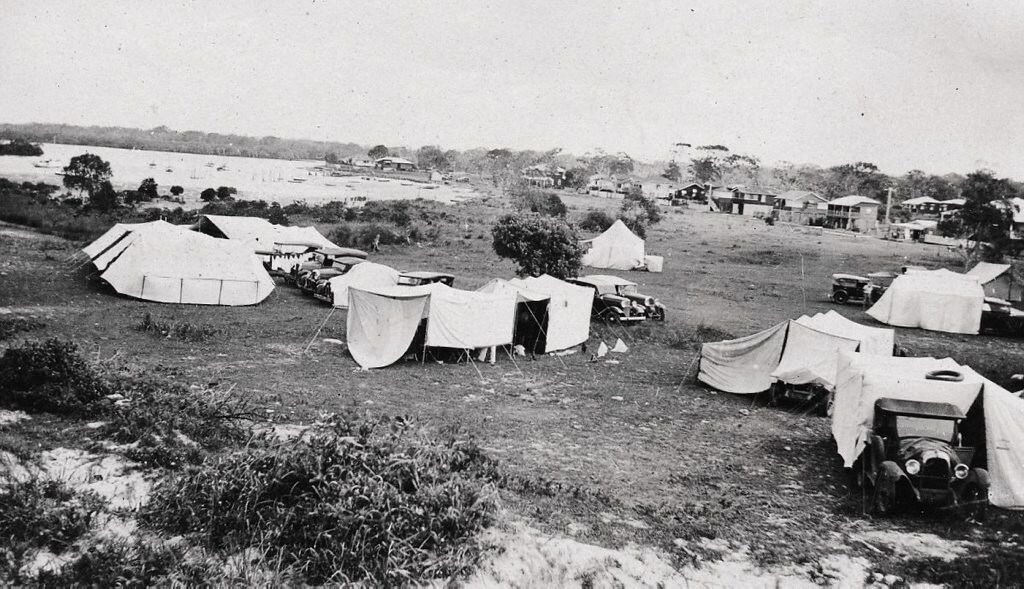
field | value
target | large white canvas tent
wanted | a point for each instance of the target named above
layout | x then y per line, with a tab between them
170	264
382	323
864	379
938	300
568	310
617	248
367	276
795	352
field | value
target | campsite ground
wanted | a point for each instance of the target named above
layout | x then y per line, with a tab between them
658	459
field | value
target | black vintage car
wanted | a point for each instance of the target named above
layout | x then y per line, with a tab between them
617	299
915	454
848	288
321	287
322	257
1001	317
308	281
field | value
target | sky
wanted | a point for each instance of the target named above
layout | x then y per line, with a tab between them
935	86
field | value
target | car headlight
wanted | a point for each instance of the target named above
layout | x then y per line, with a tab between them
961	470
624	304
913	466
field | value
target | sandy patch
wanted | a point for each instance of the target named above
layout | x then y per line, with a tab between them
525	557
12	470
45	561
8	417
915	544
113	478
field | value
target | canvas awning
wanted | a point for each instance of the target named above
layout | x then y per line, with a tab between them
938	300
366	275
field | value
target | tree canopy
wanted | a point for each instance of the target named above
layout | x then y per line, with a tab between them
539	245
378	151
86	172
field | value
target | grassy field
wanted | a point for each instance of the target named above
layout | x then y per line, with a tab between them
630	449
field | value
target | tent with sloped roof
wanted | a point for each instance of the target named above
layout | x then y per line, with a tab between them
997	280
170	264
383	323
367	275
797	352
531	324
937	300
617	248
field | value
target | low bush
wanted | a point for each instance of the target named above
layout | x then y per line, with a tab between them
537	201
596	220
355	501
364	235
50	376
181	330
40	515
11	326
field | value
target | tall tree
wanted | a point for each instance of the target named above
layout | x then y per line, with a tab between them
432	157
986	217
672	172
148	189
86	173
378	151
539	245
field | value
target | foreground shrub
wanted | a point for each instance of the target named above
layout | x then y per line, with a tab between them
355	501
539	245
40	515
10	326
49	376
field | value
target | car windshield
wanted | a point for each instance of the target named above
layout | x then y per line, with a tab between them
925	427
627	289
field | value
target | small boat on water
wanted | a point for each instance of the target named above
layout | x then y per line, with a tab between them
209	164
169	170
222	168
152	164
297	180
45	164
430	186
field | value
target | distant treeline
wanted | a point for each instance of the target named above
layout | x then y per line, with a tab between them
165	139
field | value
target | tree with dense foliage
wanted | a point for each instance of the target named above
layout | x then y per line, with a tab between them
378	151
526	198
331	158
226	192
577	177
863	178
707	165
21	147
596	221
208	195
432	157
639	212
86	173
986	217
104	198
177	190
539	245
277	216
148	190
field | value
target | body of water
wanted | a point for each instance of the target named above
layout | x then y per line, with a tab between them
282	181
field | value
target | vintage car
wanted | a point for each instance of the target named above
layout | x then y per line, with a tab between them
915	454
421	278
617	299
1001	317
322	287
813	396
322	257
848	288
308	281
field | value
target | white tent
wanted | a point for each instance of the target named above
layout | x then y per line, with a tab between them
382	322
170	264
367	276
617	248
568	311
531	323
864	379
996	279
795	352
261	234
938	300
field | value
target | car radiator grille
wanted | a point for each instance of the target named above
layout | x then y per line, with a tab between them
935	473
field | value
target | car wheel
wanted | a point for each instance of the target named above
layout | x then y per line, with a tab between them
825	404
841	297
974	500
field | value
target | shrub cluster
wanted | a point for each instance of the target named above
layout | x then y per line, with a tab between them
354	501
50	376
10	326
596	220
181	330
539	245
542	202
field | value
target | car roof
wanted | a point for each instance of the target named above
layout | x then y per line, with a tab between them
349	260
849	277
427	274
605	280
920	408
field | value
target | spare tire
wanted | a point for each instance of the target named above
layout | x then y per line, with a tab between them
946	375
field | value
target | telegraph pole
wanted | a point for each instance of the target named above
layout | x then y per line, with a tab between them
888	206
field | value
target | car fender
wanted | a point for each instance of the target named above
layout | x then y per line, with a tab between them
980	477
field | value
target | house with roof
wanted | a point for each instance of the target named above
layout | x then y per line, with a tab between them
544	176
658	187
394	163
740	200
692	191
613	185
854	213
915	230
922	205
800	206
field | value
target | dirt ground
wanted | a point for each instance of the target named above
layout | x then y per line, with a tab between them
665	462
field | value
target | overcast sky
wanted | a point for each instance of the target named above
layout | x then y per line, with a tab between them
933	85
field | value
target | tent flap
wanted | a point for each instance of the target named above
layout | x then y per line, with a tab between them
743	365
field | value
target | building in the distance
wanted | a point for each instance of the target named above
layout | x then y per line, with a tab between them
854	213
